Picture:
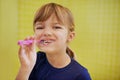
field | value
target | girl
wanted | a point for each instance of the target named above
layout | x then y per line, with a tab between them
54	29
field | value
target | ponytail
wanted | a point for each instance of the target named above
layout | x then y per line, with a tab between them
70	53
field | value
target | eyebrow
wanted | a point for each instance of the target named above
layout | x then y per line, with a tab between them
37	23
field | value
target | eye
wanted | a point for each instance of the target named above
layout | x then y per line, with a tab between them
57	27
39	27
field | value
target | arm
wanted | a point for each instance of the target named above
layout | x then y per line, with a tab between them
27	57
84	76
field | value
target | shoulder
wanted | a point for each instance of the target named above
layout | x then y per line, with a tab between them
41	58
82	72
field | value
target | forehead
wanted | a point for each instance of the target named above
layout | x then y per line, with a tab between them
52	19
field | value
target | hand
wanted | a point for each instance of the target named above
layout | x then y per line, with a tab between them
27	54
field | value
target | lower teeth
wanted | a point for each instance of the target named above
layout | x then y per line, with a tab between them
43	42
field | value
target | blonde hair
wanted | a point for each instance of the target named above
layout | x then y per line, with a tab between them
63	15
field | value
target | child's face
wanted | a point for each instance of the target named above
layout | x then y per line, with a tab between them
51	36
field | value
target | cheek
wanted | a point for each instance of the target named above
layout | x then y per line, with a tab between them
37	35
63	37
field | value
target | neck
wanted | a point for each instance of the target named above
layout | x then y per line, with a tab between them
58	60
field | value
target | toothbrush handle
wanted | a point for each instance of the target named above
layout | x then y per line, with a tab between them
26	42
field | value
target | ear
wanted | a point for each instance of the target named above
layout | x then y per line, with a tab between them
71	36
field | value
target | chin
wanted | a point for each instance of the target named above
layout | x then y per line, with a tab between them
47	50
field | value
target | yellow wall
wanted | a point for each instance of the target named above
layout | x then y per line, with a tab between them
8	39
97	42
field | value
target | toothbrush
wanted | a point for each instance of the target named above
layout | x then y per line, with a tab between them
26	42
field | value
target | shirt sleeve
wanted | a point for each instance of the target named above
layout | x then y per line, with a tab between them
84	76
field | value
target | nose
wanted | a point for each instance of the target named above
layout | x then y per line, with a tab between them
47	32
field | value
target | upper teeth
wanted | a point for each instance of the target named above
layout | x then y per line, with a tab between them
45	41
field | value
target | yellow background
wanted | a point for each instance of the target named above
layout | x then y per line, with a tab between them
97	41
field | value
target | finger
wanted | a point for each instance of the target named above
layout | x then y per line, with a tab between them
28	41
27	38
21	51
32	37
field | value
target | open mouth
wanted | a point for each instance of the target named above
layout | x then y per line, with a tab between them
46	42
